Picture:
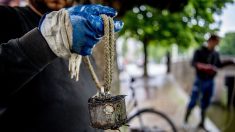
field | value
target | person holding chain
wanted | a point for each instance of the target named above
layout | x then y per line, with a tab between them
36	92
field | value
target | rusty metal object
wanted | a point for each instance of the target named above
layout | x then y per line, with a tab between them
107	112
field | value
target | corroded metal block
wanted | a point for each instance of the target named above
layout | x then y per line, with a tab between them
108	112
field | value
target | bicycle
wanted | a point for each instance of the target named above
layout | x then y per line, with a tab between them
147	119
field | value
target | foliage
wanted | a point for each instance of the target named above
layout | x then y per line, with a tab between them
156	52
227	45
186	28
163	28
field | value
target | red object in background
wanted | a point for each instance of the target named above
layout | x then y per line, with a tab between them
207	68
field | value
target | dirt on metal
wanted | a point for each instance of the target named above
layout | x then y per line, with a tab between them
107	112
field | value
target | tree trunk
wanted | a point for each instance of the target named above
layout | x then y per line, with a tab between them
145	57
168	56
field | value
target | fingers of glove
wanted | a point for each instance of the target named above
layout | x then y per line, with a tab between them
86	50
93	10
97	24
84	36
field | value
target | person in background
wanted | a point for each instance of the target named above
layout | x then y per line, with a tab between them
168	62
206	61
229	83
36	91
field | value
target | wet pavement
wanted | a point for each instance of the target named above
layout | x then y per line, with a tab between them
163	93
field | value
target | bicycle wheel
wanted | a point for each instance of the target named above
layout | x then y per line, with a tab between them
149	120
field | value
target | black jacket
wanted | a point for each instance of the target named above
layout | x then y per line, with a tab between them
36	92
206	56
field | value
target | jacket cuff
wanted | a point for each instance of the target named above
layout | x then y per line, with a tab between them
36	48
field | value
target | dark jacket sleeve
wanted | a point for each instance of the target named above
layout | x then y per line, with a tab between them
10	25
20	60
221	64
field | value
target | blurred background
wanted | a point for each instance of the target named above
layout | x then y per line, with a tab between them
157	43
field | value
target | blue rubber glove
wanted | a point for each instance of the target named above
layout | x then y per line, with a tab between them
88	26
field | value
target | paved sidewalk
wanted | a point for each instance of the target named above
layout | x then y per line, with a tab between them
164	94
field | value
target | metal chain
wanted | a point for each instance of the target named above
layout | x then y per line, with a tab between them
91	69
111	50
108	40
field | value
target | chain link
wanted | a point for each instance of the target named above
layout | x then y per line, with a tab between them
108	40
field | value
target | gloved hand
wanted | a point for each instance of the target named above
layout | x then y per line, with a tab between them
76	29
88	26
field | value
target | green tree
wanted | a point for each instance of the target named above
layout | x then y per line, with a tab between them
227	45
161	27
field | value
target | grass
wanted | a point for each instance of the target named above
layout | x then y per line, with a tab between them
223	118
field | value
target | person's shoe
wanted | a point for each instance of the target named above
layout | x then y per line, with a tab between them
185	127
202	126
188	112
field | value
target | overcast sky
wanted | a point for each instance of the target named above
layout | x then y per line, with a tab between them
228	19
